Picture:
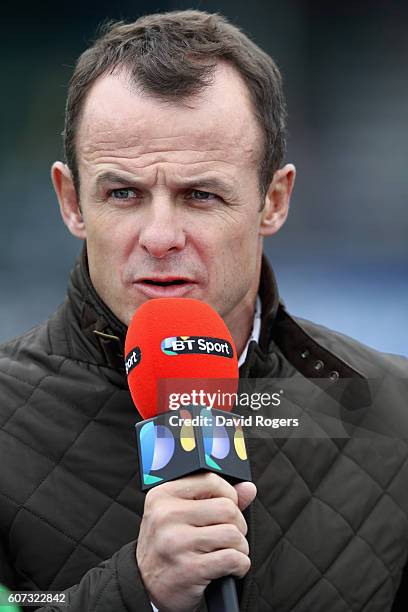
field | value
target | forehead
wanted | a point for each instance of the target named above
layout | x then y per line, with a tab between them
220	119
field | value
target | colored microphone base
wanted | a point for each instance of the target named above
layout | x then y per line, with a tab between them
188	440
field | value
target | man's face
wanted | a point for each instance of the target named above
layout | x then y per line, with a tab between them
170	196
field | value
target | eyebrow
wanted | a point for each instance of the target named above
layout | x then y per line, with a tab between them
113	177
211	183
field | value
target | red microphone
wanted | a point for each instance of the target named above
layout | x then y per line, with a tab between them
185	340
178	338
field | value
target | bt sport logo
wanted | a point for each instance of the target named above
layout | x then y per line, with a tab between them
198	345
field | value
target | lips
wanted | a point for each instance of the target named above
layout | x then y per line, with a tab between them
165	283
169	286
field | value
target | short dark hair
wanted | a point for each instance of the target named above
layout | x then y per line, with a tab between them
173	56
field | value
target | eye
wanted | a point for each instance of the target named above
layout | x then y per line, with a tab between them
124	193
202	196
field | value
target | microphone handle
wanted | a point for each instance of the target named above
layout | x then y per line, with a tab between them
221	595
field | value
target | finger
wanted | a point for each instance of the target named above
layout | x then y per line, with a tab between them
216	511
246	494
216	537
224	562
200	486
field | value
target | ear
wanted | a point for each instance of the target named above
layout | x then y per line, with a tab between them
68	200
276	205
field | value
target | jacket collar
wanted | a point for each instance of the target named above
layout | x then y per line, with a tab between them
285	346
96	334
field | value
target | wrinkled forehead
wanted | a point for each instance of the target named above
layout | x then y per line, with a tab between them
118	117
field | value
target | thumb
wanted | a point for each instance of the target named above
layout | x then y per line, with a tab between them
246	494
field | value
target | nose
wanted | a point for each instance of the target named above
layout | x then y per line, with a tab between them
162	231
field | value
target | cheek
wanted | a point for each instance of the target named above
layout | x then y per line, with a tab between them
232	257
107	258
109	237
242	244
228	244
224	231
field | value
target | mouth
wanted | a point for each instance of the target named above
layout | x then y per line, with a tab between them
165	287
164	283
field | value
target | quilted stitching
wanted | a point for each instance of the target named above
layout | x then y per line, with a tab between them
356	533
44	482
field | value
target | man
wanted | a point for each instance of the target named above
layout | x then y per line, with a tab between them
174	175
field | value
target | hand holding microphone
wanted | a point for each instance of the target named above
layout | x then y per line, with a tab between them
192	531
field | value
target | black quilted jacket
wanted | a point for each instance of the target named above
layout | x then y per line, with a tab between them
328	531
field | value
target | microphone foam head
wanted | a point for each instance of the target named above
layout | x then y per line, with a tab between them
178	338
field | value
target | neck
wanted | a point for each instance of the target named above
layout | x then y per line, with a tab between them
240	323
241	320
